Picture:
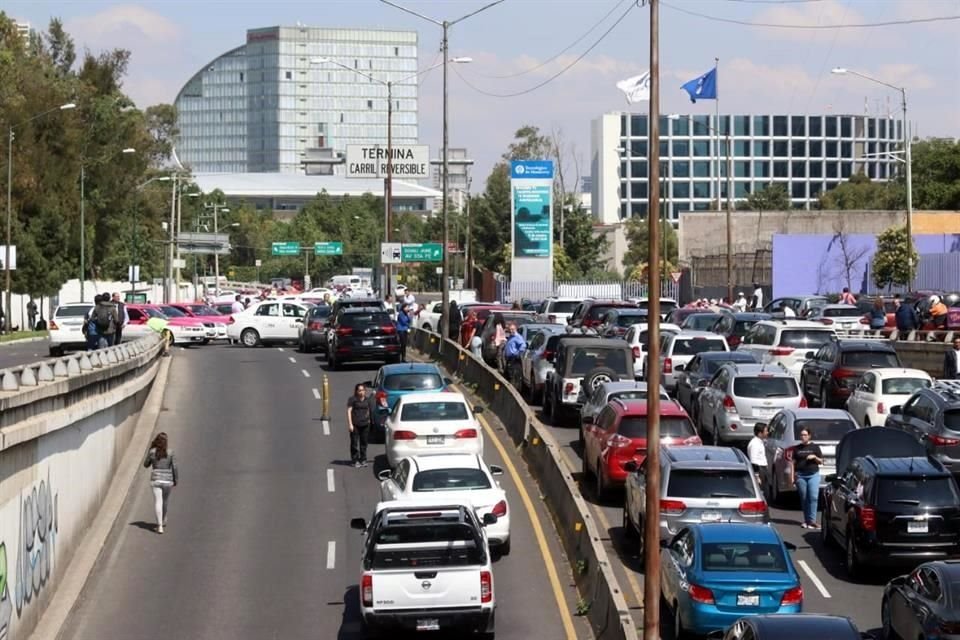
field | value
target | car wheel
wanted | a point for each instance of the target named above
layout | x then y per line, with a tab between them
824	403
679	633
603	492
887	632
851	557
547	405
250	338
426	326
597	376
825	539
504	549
716	433
629	531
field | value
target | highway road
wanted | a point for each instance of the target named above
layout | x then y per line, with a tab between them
13	355
826	586
258	543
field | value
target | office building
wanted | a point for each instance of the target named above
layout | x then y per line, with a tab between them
269	105
23	30
806	154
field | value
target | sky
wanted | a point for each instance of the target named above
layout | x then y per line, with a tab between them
520	44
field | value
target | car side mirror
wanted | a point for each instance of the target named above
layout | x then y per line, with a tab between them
790	546
679	367
477	409
495	470
703	383
630	466
488	519
384	475
358	523
897	410
298	320
809	355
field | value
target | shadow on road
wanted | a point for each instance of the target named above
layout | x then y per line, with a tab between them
146	526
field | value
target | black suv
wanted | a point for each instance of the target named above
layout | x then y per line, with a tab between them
889	503
362	333
933	416
313	333
590	312
829	376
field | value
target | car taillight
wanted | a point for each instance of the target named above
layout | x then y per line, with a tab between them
230	320
803	402
53	325
672	507
845	377
700	594
788	454
782	351
826	321
881	408
868	518
404	435
667	365
381	398
344	331
465	433
366	589
548	354
486	586
388	329
636	352
753	507
568	389
500	509
729	405
940	441
315	325
792	596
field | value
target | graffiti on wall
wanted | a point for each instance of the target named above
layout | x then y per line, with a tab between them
38	536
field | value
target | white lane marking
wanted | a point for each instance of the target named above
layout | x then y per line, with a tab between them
326	427
331	554
330	487
293	360
814	579
279	348
316	393
306	374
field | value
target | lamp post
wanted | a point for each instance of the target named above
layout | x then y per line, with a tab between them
83	224
907	141
133	244
444	48
217	209
6	256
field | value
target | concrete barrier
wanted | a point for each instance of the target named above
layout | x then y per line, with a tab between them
64	425
580	535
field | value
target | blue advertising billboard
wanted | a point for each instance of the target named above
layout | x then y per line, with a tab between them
531	196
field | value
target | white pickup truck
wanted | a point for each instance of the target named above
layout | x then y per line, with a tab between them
426	568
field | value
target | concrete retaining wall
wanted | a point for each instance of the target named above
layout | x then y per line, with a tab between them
60	443
579	534
923	355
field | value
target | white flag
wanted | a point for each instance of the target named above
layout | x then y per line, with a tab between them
636	88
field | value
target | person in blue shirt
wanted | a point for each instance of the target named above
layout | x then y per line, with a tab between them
512	350
403	328
907	319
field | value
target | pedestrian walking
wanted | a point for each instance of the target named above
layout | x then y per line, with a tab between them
31	314
106	318
360	413
512	351
89	328
877	315
846	297
806	475
757	453
951	362
123	316
938	312
163	476
403	328
756	301
468	329
907	320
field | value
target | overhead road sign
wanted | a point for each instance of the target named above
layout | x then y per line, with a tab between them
424	252
285	248
409	161
328	248
204	243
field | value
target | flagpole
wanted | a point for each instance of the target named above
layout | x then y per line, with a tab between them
716	132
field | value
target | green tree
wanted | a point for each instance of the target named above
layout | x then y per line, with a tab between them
859	192
892	258
772	197
490	219
936	174
580	245
636	260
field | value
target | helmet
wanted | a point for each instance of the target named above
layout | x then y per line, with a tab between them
934	299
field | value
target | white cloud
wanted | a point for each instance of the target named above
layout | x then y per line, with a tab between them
813	14
125	22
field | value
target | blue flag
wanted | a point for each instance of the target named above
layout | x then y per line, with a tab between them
704	87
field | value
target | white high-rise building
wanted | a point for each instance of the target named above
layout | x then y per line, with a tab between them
266	107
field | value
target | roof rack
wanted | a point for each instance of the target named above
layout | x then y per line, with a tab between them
861	334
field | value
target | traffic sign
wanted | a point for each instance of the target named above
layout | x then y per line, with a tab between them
328	248
285	248
675	276
424	252
258	263
390	252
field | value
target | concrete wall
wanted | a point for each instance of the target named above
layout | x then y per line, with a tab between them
60	443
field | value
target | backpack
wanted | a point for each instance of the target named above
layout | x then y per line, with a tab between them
102	317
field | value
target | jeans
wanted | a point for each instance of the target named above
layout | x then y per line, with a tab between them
808	486
358	443
403	345
161	498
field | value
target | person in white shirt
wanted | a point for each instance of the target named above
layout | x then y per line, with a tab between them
236	306
409	298
757	301
788	312
756	452
740	304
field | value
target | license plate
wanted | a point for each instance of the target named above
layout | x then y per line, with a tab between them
764	412
428	624
367	343
434	439
748	600
918	527
710	516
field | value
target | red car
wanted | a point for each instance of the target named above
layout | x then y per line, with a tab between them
206	314
185	330
619	435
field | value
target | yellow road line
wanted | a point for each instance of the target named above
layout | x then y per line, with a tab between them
548	560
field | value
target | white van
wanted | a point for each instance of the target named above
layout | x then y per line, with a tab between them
345	281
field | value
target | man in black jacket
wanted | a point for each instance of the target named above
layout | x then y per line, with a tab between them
951	361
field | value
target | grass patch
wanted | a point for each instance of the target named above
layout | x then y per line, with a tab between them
20	335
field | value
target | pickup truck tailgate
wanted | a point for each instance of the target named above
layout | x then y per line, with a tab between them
431	587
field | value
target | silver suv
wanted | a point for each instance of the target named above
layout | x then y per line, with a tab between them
698	484
741	395
678	349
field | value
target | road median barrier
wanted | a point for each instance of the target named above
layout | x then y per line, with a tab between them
606	608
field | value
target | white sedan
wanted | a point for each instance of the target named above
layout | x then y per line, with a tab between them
267	321
429	423
457	478
879	389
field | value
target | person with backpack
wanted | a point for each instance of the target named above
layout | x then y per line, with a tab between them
106	319
163	476
122	315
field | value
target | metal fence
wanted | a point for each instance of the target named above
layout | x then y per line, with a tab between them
711	271
538	290
936	272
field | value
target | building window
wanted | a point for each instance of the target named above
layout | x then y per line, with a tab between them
741	169
241	76
871	147
681	189
832	170
288	75
638	168
831	126
701	148
780	149
341	118
761	148
638	125
679	208
701	126
798	189
816	128
664	149
780	170
369	104
396	51
681	127
638	148
638	190
815	189
741	189
871	128
780	125
846	149
623	125
872	170
846	169
641	209
701	169
356	64
623	210
681	169
799	169
723	126
761	169
798	125
816	149
681	148
741	125
846	127
831	149
761	125
798	148
701	206
741	148
816	169
701	189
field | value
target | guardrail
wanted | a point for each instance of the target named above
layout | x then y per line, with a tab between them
580	535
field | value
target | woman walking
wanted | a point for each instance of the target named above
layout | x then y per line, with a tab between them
878	315
808	457
163	476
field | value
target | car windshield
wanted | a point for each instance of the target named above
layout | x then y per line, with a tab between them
373	319
743	556
700	321
203	310
172	312
73	312
452	545
693	346
824	430
625	319
450	480
597	311
742	326
433	411
903	386
634	394
583	359
563	306
670	427
413	382
153	313
765	387
517	318
869	359
710	483
805	338
951	420
840	313
320	311
930	492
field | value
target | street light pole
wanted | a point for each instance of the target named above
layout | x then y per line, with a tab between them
388	191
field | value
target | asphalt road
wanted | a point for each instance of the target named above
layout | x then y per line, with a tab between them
13	355
826	586
258	543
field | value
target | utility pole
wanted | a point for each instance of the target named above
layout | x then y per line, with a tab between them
83	233
651	524
445	286
729	222
908	142
168	275
388	191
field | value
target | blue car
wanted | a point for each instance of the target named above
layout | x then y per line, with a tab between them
713	574
395	380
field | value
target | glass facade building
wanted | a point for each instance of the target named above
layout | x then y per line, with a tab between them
807	154
263	106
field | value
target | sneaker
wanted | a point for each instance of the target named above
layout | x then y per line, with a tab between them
160	529
813	525
805	525
356	464
363	463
